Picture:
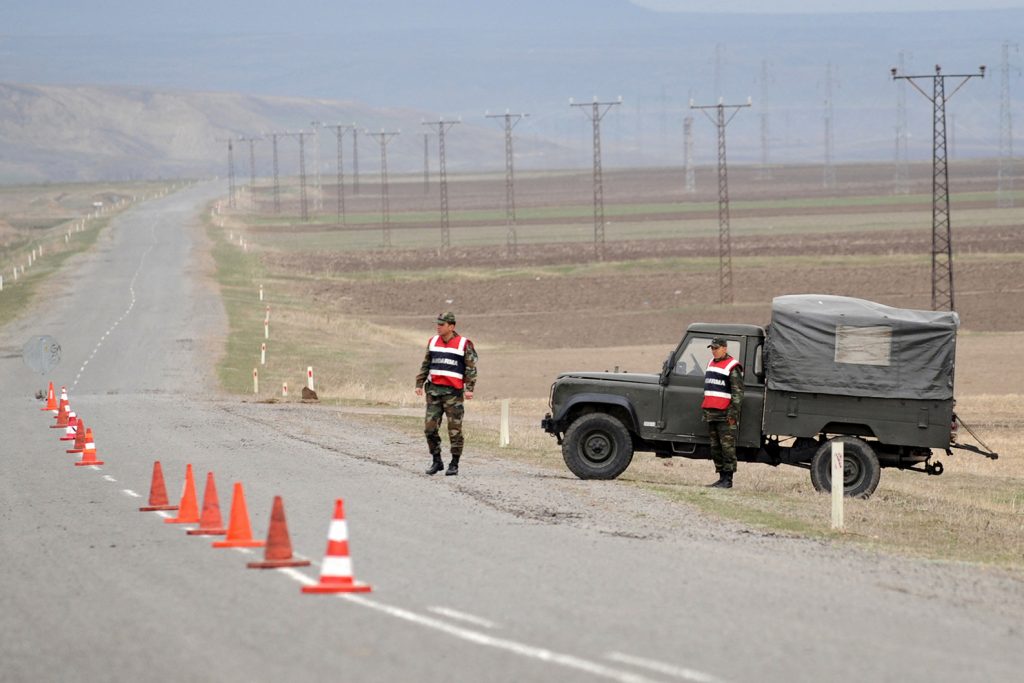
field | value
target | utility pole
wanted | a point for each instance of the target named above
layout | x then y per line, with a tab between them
1005	193
829	171
442	127
340	131
942	232
597	111
317	198
277	182
764	171
231	174
689	173
303	205
901	157
724	239
252	168
383	138
355	160
511	237
426	163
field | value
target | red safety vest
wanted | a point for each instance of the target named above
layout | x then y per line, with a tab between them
717	385
447	361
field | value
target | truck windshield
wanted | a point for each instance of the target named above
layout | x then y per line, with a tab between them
694	358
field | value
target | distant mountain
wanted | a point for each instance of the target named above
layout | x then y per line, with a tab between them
464	57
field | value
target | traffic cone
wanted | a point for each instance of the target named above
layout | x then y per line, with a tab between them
210	522
188	508
239	531
63	410
72	429
51	400
336	570
157	492
89	452
79	439
279	544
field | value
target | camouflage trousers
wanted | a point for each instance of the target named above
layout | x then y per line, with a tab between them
438	407
723	440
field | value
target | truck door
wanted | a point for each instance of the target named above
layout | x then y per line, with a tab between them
681	412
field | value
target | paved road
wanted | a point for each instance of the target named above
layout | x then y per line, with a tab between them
506	573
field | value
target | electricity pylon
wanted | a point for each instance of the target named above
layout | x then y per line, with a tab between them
942	231
383	138
597	111
724	239
511	236
442	127
339	131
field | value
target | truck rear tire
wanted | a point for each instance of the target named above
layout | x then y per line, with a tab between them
861	470
597	446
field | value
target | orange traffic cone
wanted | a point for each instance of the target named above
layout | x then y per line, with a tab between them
89	452
336	570
279	544
79	446
51	399
157	492
71	430
63	410
239	531
210	522
188	508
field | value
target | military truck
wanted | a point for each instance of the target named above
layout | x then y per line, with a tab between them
827	368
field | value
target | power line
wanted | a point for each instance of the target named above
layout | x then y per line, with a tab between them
596	113
383	138
942	232
442	127
724	238
511	236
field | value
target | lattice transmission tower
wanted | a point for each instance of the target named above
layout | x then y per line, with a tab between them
383	138
1006	170
596	111
511	235
942	230
724	239
442	171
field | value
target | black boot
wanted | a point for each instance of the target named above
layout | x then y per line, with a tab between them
453	467
725	482
717	484
436	466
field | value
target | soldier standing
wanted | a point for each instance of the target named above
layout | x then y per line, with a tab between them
723	396
447	375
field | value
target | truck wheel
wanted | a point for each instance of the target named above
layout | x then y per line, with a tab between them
597	446
861	470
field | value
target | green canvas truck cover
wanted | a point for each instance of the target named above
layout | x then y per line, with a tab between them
853	347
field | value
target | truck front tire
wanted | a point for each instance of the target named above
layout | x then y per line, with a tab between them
597	446
861	470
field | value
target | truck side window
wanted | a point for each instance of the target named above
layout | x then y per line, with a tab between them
694	358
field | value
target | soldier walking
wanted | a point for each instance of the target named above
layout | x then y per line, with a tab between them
447	376
723	396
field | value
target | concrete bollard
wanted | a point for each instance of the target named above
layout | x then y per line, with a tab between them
309	378
266	329
284	389
263	353
503	432
261	292
255	381
837	484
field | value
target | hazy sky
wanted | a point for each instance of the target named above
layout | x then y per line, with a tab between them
824	6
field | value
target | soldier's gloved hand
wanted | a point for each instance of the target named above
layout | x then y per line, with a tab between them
419	391
468	394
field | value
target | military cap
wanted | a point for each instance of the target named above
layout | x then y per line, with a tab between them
718	341
446	317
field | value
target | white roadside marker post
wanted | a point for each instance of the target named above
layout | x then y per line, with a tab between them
263	353
837	485
309	378
284	389
266	329
261	292
255	381
503	435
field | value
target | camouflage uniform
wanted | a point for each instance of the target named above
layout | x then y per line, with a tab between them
723	434
443	400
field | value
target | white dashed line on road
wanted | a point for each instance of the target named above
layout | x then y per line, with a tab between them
679	672
462	616
129	492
